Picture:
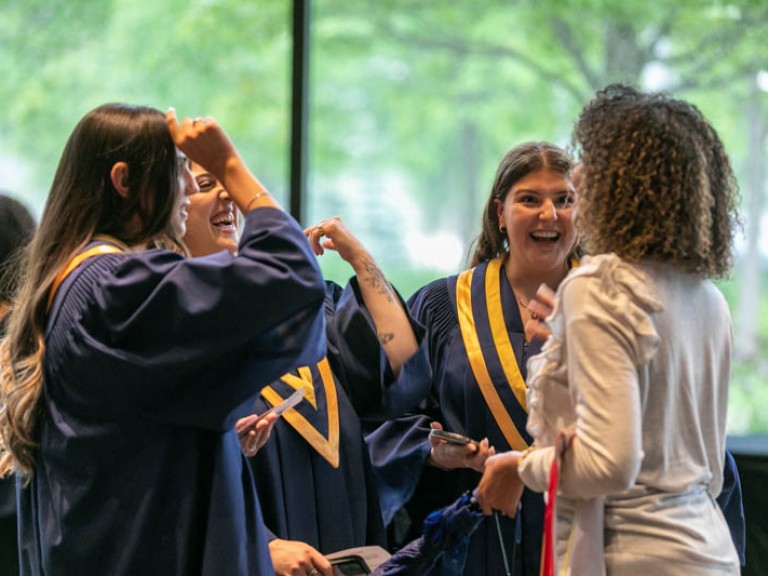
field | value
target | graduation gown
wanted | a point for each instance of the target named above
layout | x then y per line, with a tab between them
314	476
150	360
477	371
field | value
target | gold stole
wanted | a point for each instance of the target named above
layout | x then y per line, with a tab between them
503	348
328	447
114	246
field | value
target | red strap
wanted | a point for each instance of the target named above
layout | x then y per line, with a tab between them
547	547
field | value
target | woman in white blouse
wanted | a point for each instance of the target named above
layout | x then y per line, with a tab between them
629	395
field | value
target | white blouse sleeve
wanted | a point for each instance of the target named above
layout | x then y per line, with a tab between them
586	381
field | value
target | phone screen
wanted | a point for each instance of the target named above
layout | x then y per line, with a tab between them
350	567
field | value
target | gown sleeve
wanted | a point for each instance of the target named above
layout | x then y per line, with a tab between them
188	341
598	398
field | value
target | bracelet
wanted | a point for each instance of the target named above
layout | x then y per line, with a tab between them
252	200
525	452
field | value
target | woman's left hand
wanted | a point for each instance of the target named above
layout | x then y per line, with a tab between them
500	487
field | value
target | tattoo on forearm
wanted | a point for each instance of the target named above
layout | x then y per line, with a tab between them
386	337
376	279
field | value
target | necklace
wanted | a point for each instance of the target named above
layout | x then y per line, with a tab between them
524	305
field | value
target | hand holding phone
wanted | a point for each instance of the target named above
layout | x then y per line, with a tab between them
450	437
450	450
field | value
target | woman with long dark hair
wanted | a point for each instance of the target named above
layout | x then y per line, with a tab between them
125	369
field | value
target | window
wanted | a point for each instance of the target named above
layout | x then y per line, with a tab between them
412	105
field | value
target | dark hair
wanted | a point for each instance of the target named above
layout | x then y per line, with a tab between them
16	228
82	202
516	165
656	182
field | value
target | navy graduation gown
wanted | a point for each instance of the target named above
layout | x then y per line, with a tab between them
150	360
399	448
314	477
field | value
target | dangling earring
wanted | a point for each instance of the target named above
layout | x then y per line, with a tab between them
502	228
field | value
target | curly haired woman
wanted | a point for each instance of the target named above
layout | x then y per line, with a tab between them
628	398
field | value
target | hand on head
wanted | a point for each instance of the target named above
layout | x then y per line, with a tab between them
450	456
203	141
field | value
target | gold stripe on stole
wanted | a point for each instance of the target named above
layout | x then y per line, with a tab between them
475	352
500	333
328	447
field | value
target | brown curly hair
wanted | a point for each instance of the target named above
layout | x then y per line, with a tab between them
656	182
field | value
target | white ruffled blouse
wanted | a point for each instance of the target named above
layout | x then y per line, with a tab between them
637	368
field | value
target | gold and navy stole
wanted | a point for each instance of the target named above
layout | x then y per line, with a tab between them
307	418
108	245
489	349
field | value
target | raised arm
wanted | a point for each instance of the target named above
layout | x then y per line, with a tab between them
204	141
393	326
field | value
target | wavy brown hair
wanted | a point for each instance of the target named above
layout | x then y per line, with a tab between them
82	202
16	228
520	161
656	182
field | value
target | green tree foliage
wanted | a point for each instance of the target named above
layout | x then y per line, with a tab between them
413	102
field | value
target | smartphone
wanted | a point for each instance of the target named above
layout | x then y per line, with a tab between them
451	437
247	424
350	566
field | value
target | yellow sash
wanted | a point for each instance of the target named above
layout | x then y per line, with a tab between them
328	447
111	248
503	348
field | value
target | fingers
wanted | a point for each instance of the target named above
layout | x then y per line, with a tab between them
295	558
257	435
500	487
173	122
545	296
317	232
537	329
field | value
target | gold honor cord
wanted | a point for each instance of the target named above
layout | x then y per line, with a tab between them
112	248
328	447
477	361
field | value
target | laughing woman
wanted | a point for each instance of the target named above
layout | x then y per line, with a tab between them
314	475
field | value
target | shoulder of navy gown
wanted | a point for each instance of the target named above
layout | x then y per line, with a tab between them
170	330
149	360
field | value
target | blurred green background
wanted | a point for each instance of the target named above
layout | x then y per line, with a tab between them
412	105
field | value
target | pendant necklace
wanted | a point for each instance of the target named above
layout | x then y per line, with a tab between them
524	305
